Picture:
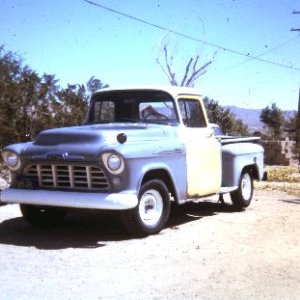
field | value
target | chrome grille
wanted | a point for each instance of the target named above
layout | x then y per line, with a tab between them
67	176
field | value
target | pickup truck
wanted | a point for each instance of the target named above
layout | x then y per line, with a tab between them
138	150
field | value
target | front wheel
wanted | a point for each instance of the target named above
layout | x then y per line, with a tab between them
152	212
241	198
39	216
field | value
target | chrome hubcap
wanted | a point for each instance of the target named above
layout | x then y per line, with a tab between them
246	186
151	207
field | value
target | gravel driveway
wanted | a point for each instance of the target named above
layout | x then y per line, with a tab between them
207	252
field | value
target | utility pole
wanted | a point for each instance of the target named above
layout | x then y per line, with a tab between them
295	12
298	114
298	127
297	131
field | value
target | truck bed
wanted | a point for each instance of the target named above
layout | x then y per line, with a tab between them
224	139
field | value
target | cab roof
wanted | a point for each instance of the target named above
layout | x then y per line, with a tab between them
174	91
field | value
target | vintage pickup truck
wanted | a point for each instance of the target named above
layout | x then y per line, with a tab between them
138	150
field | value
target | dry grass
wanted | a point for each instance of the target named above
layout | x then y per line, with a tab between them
286	187
283	174
283	179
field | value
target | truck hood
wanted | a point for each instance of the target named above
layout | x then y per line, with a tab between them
87	141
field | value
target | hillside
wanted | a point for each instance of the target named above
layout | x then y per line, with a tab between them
251	117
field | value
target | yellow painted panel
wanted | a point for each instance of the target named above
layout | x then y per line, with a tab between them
203	162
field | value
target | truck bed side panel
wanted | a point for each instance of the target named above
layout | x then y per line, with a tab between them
235	157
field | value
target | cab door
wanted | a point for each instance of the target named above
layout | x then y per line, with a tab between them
203	150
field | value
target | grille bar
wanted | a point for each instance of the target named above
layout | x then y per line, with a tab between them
67	176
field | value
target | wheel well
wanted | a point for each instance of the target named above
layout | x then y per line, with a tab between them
164	176
253	170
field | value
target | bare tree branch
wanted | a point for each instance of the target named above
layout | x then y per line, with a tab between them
188	79
171	74
195	64
196	74
187	69
167	74
195	78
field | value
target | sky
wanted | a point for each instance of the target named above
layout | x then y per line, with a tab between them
255	55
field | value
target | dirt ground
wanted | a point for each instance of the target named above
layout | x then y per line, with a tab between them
207	252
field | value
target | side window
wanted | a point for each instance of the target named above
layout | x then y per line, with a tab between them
159	110
191	112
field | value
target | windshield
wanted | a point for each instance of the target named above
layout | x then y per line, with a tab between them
132	106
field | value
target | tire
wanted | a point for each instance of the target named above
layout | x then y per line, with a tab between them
241	198
39	216
152	212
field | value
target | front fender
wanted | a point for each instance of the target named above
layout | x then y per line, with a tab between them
172	166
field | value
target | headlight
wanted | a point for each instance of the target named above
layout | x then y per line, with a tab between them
12	160
113	162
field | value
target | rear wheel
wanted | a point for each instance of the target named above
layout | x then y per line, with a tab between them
241	198
152	212
39	216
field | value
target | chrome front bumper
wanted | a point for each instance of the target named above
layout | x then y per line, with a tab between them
117	201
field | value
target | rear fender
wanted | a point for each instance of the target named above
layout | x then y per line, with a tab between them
238	157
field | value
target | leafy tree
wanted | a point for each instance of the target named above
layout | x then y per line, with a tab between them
75	99
24	99
30	103
46	107
225	118
294	132
16	88
273	118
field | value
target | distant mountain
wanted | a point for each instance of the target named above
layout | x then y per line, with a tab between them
251	118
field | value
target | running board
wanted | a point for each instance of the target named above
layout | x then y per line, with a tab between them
223	190
227	189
